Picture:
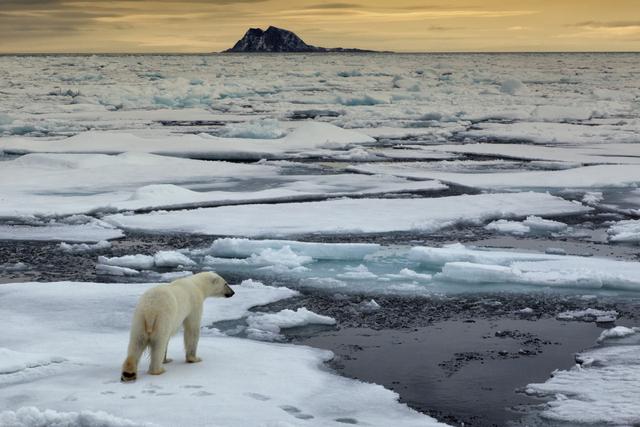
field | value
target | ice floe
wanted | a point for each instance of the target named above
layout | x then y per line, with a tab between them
267	326
68	319
349	216
600	390
471	266
625	231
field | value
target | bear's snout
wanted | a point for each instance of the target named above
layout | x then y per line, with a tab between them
229	292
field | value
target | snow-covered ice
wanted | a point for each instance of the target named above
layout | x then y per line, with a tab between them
460	264
51	338
267	326
601	390
625	231
349	216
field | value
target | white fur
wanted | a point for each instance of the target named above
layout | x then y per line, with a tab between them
160	313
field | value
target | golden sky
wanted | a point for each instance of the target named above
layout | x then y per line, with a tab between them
399	25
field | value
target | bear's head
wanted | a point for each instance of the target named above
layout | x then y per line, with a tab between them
213	285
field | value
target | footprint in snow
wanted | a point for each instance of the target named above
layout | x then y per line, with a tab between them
202	393
258	396
292	410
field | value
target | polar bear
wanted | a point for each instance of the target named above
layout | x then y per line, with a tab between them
160	313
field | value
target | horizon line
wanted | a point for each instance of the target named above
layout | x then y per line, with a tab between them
324	53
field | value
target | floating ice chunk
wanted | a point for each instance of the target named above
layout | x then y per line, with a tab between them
283	256
603	390
513	87
526	311
555	251
508	227
169	276
250	293
11	267
267	326
171	259
114	270
617	332
540	225
464	265
592	198
140	262
407	273
257	129
589	315
369	306
459	252
34	417
84	247
244	248
360	272
627	231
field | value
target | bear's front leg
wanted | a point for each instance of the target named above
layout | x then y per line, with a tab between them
191	337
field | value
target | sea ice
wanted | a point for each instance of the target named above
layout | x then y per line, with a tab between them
267	326
601	390
235	373
617	332
349	216
462	265
627	231
244	248
83	247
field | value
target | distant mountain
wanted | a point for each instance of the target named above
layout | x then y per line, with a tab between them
279	40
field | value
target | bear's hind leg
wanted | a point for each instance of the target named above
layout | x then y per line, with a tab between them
158	352
191	337
137	344
166	360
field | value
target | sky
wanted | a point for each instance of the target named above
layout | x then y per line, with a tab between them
188	26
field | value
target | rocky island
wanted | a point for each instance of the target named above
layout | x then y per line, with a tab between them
278	40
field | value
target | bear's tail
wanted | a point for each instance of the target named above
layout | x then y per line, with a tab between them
150	323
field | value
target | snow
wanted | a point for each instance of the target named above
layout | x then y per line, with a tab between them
12	362
34	417
267	326
601	390
349	216
65	321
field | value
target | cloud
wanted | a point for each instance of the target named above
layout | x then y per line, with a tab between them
613	24
333	6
